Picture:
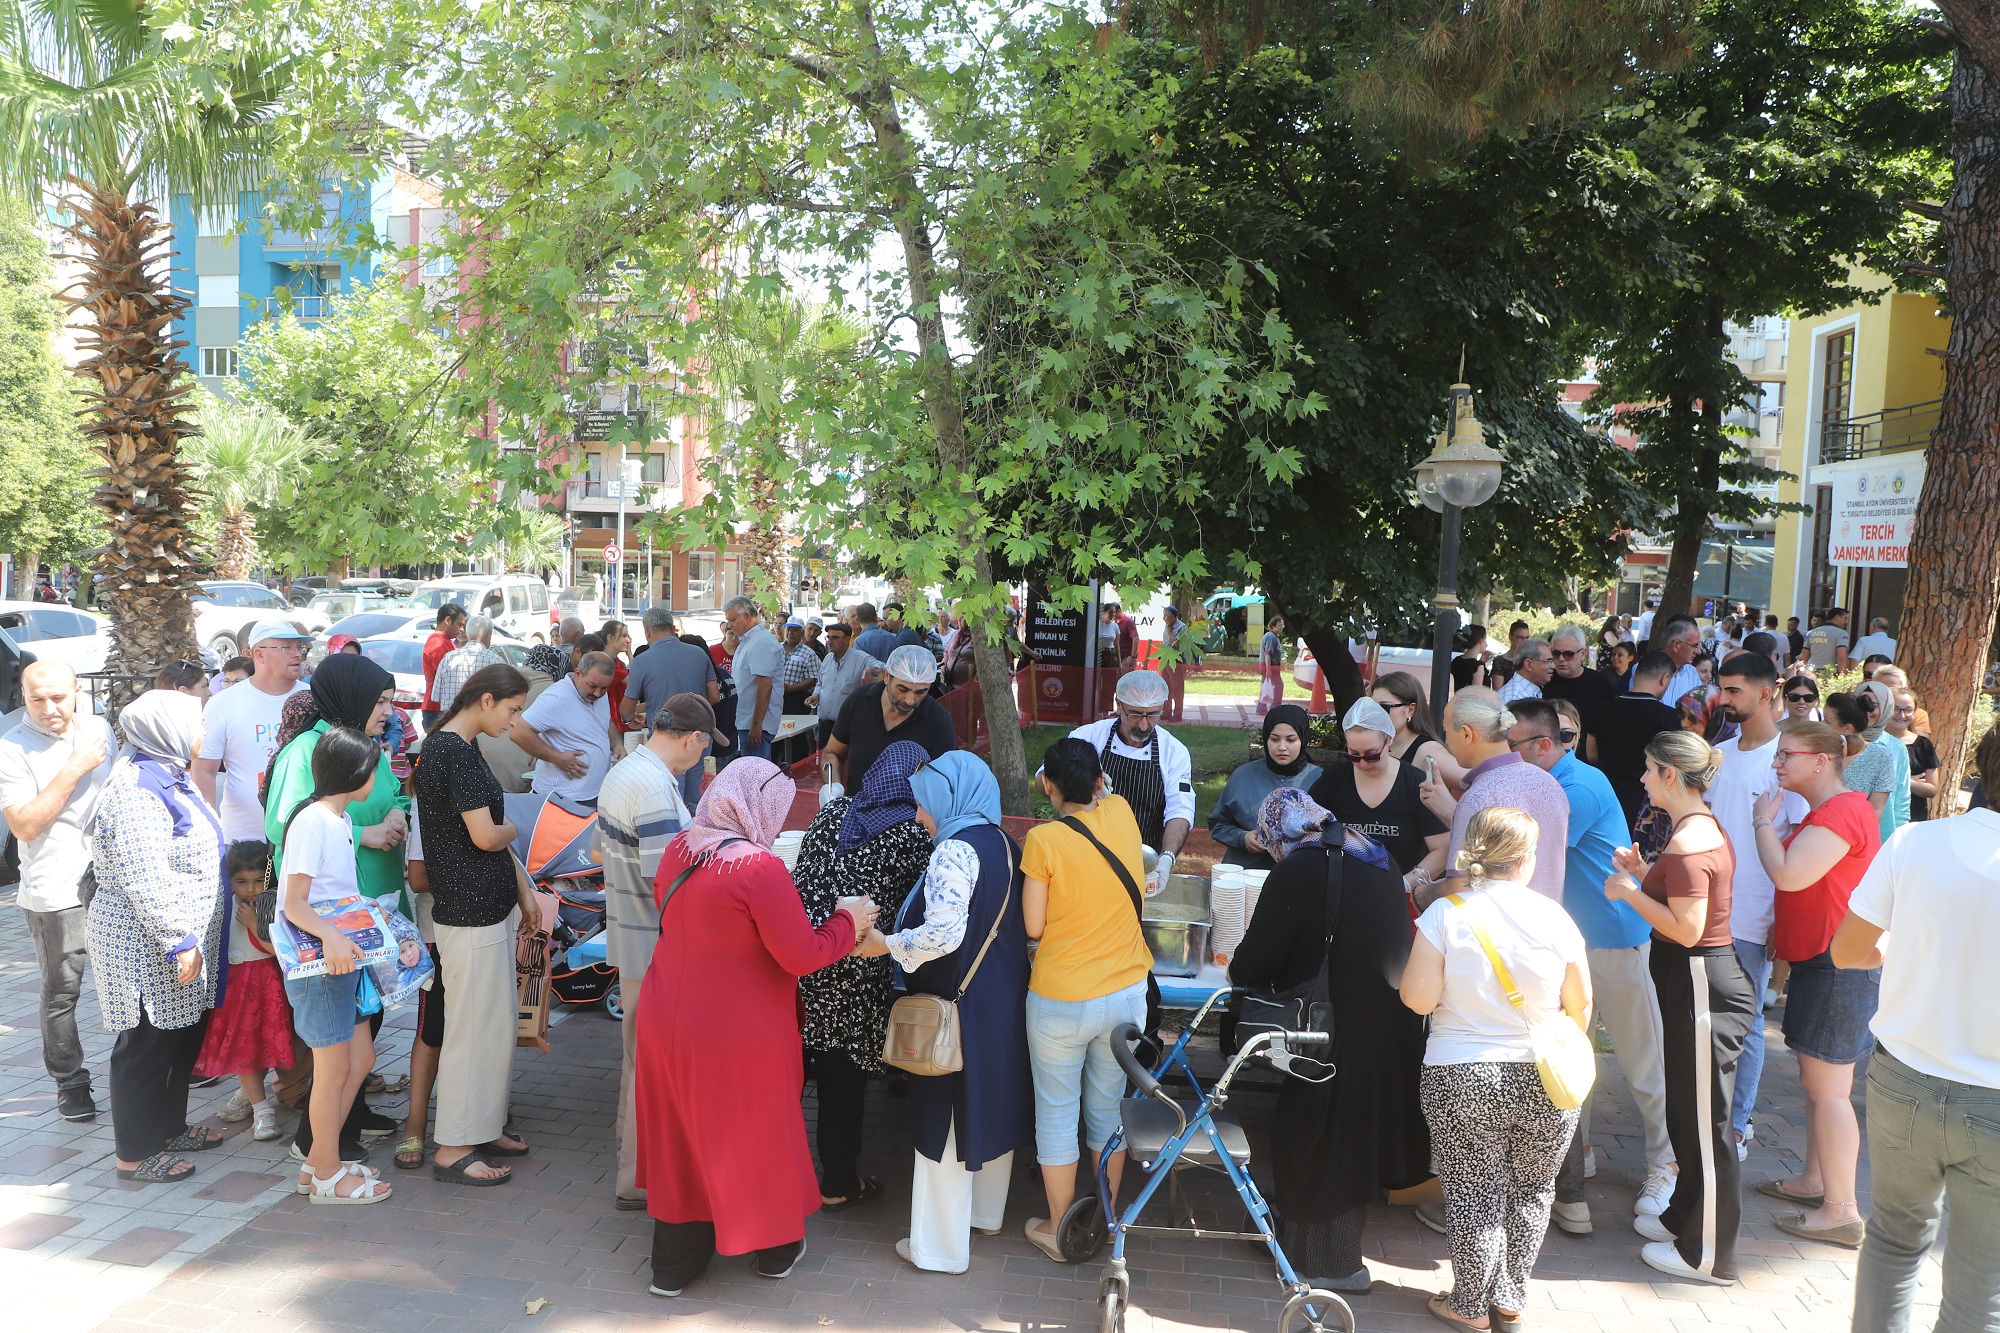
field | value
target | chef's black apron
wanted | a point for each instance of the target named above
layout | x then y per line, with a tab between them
1142	783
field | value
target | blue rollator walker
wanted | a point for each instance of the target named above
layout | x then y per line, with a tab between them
1161	1136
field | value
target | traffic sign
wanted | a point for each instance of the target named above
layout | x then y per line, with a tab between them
613	555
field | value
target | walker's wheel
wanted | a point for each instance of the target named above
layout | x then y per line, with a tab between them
1316	1311
1080	1234
1111	1310
614	1003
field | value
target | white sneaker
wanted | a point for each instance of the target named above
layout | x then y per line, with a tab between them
237	1108
1572	1218
1664	1257
1656	1192
1590	1163
265	1127
1652	1228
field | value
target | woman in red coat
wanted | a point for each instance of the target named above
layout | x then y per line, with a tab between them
722	1139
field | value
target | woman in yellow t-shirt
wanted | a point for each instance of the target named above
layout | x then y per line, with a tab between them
1089	973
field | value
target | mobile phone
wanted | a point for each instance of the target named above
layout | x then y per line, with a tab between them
1433	765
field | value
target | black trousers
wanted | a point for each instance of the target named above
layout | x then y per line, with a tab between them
350	1128
150	1068
1706	1008
842	1091
682	1252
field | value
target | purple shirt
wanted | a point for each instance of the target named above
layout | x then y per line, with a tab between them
1509	780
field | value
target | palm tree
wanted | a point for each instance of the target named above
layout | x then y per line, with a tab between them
528	539
241	459
106	113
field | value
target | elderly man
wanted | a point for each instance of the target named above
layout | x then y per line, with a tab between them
1876	642
755	668
1148	766
241	729
567	731
1574	679
1476	725
815	628
666	668
638	813
52	768
844	669
446	631
898	708
1534	666
801	669
458	665
1682	646
567	633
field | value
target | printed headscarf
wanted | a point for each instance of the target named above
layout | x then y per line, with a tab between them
546	659
162	729
1291	819
957	791
885	799
740	814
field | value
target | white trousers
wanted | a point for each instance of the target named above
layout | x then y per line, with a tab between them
1623	997
476	1063
947	1202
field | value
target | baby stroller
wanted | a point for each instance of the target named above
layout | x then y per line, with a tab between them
555	840
1161	1137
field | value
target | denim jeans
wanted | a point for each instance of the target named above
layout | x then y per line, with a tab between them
1069	1049
1930	1141
745	750
60	954
1756	960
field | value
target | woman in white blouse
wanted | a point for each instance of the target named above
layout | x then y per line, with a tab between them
961	930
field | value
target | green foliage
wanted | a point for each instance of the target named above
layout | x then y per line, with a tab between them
45	465
247	453
389	481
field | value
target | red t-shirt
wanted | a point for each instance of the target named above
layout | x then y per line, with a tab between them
1807	919
435	647
618	675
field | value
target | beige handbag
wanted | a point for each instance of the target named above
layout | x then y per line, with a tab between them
923	1036
1564	1056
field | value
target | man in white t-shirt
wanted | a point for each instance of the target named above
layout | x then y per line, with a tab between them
1875	643
242	728
1927	912
567	731
1749	685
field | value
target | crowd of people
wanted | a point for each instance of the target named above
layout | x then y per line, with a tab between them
1572	847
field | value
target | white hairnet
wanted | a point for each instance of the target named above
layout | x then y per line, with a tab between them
912	665
1367	715
1142	689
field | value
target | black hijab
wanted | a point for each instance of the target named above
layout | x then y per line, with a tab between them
1296	718
347	686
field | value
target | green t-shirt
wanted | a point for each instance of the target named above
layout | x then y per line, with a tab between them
378	870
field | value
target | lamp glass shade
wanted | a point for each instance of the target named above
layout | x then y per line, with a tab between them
1427	486
1467	482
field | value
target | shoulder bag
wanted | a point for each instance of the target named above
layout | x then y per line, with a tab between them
924	1036
1138	910
1564	1056
1307	1006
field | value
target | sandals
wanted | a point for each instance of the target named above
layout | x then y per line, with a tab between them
375	1083
196	1138
1775	1189
455	1174
410	1153
1440	1308
871	1190
372	1189
494	1149
353	1169
162	1168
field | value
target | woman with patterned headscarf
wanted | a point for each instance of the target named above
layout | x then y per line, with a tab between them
720	1068
1334	1145
865	845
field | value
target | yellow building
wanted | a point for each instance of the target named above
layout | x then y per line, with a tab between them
1866	382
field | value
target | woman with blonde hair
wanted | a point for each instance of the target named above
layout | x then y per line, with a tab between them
1924	758
1706	1007
1497	1138
1878	767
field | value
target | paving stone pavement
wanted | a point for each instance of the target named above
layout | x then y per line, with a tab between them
234	1251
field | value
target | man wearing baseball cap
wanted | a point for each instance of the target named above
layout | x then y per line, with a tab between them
800	675
1150	768
241	727
639	810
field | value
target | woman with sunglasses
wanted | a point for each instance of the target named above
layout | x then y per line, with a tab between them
1827	1009
1377	794
1402	697
1802	699
1233	822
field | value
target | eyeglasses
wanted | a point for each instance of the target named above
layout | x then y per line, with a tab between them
1371	757
1527	740
1783	755
1564	654
1394	704
1568	737
1802	698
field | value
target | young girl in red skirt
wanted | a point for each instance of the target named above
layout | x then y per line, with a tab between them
252	1032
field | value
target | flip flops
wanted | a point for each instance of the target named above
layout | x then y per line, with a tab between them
494	1149
411	1148
195	1139
871	1190
162	1168
455	1174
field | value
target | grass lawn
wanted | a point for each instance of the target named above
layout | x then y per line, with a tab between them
1215	751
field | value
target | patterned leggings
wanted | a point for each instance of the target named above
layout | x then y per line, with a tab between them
1498	1142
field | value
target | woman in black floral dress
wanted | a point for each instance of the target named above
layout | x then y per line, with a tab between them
866	844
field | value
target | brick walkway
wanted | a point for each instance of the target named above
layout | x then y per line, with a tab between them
233	1252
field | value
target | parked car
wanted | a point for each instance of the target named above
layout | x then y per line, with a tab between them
397	620
348	602
516	603
59	633
401	654
226	609
1402	652
581	601
306	587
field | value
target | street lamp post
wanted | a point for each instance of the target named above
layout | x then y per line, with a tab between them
1462	472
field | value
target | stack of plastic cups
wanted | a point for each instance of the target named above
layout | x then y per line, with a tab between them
786	846
1253	889
1225	912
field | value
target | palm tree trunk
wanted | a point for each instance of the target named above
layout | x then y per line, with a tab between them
238	553
137	392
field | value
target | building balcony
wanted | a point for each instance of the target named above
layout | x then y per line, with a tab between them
1893	430
602	497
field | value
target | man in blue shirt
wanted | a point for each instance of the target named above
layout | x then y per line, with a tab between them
1618	943
870	637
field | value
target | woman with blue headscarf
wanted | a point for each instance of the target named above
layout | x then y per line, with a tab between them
864	845
967	1125
1335	1145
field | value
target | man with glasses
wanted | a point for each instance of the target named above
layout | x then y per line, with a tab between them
1534	667
1575	679
241	728
1617	944
1150	768
1748	683
1683	645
